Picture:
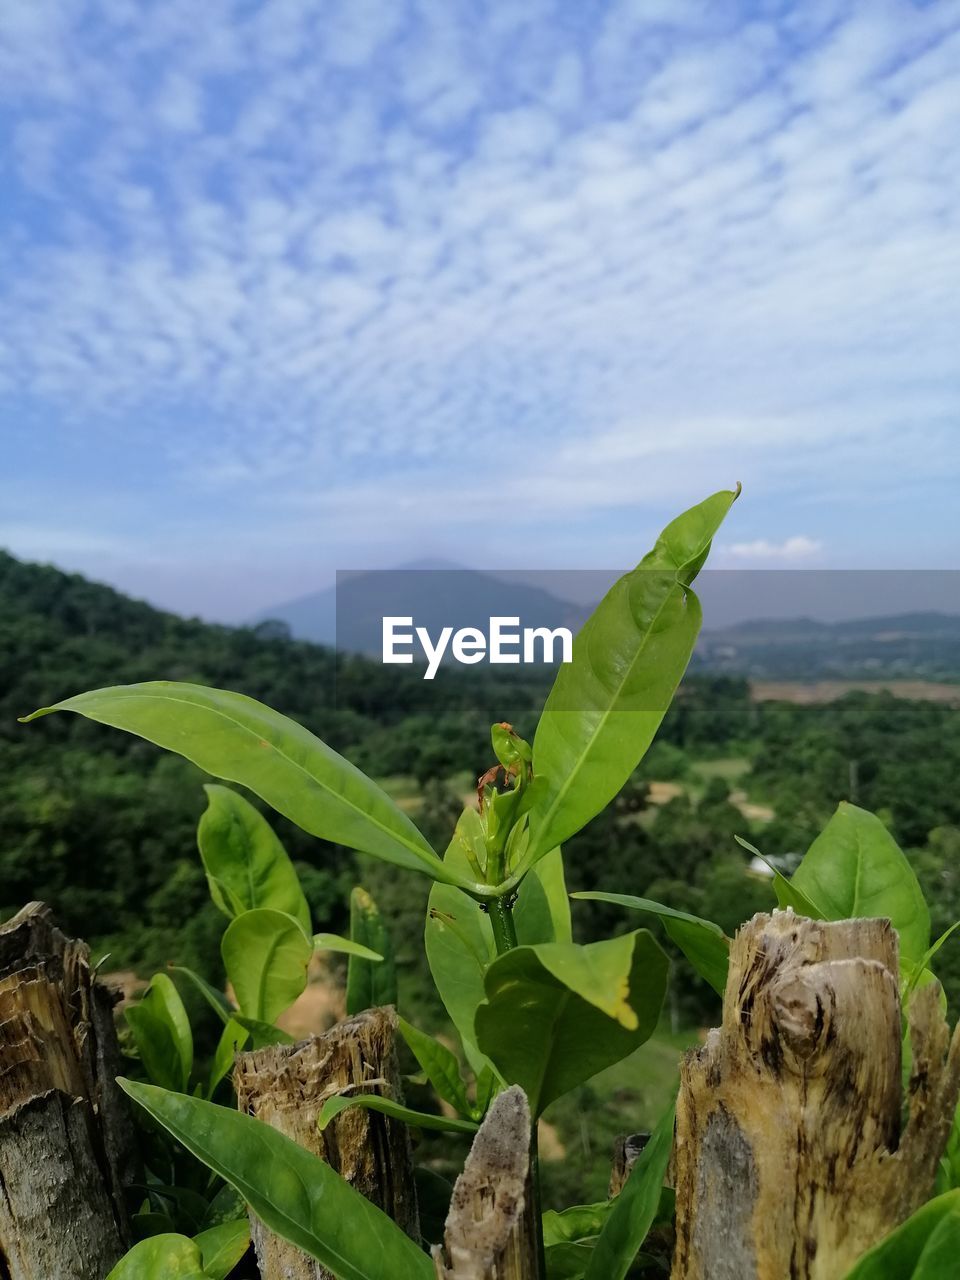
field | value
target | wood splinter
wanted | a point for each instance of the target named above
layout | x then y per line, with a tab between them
790	1160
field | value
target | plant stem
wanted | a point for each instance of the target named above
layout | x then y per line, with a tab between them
504	930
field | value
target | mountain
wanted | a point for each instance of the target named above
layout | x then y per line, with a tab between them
922	646
435	595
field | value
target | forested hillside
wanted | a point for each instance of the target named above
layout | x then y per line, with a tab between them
103	825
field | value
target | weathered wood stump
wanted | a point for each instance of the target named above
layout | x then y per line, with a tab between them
790	1161
491	1229
67	1145
287	1085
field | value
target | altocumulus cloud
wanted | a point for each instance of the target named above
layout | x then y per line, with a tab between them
332	249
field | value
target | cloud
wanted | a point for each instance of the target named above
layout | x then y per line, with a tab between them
311	256
797	548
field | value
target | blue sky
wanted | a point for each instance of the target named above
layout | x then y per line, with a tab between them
308	285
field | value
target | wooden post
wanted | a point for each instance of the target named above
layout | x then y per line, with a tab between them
287	1085
67	1145
626	1151
491	1230
789	1160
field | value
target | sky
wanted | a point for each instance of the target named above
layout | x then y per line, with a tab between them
313	285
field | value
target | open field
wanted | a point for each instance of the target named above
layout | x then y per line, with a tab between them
805	693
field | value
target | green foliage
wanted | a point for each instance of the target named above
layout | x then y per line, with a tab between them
291	1191
607	704
162	1257
701	941
374	1102
237	738
162	1034
855	868
265	954
440	1066
245	862
369	983
914	1251
580	1008
626	1227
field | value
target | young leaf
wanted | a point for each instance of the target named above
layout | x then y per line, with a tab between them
606	705
440	1065
345	946
222	1247
556	1014
245	862
900	1252
634	1209
166	1257
217	1000
161	1031
788	894
232	1039
459	938
369	985
542	910
266	954
373	1102
701	941
291	1191
855	868
240	740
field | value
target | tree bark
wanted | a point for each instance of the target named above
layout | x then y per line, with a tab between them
287	1085
789	1159
67	1146
491	1230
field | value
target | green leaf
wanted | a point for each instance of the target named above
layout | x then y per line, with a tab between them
167	1257
568	1259
233	1038
240	740
788	894
606	705
558	1013
345	946
634	1208
855	868
226	1206
440	1065
369	986
161	1031
579	1222
920	973
266	954
263	1033
222	1247
373	1102
941	1253
703	943
542	910
217	1000
294	1193
245	862
897	1256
